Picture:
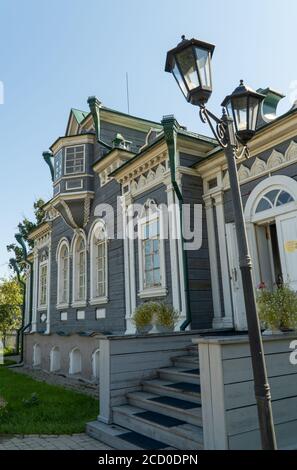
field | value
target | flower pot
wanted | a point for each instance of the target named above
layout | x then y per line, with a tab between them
270	332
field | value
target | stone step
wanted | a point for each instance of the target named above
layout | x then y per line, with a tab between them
121	438
190	361
176	433
173	407
180	390
178	374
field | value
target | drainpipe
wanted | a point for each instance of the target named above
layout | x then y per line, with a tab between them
94	105
23	328
47	156
170	127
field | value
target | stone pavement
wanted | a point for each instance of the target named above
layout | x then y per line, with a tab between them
51	442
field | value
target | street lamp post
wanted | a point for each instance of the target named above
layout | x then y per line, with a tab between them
190	63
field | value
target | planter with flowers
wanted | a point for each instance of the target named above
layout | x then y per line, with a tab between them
155	317
277	309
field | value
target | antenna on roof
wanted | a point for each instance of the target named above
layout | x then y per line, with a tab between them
127	90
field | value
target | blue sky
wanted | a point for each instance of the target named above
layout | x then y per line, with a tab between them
54	54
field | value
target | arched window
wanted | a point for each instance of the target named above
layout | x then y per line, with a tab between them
272	199
151	252
79	271
98	257
55	359
63	274
43	281
75	361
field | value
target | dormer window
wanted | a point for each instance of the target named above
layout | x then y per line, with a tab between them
75	160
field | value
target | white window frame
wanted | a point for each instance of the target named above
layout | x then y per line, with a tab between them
59	154
67	173
76	302
61	305
95	299
43	264
151	214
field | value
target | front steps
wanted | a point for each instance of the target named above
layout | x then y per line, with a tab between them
166	413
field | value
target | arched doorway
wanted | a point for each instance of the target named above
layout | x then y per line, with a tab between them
271	221
55	359
75	361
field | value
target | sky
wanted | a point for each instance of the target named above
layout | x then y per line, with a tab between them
54	54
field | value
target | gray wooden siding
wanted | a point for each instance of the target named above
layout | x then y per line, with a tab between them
198	261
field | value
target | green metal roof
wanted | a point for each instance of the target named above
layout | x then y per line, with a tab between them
79	115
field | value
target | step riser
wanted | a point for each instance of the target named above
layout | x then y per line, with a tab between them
112	441
167	411
162	391
177	377
152	431
185	364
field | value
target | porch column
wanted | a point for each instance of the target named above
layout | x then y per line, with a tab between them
35	291
228	318
214	272
48	310
174	259
129	260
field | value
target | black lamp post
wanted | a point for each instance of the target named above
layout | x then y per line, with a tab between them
190	63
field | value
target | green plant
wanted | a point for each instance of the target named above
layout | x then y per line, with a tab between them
155	312
167	316
278	308
3	408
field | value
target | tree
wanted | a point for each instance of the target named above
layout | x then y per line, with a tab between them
11	298
25	227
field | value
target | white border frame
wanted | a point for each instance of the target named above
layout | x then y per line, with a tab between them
78	303
65	154
63	242
104	299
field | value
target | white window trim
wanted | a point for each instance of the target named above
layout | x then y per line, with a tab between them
43	307
158	291
80	185
93	299
62	305
65	155
82	302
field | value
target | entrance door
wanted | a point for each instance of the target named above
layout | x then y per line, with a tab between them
287	239
240	322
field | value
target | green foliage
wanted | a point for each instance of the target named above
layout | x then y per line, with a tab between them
155	312
278	309
11	298
59	411
25	227
3	408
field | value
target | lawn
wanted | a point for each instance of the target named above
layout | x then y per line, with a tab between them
51	409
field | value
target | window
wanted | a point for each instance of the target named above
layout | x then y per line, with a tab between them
58	165
79	271
273	198
43	266
151	252
98	264
63	274
75	160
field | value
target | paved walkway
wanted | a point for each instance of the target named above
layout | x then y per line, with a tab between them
50	442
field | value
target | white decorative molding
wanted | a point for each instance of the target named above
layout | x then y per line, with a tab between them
291	152
258	167
276	159
243	173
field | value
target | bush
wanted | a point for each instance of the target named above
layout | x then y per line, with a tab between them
32	401
278	309
157	313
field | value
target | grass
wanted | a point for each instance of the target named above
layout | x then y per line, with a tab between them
56	410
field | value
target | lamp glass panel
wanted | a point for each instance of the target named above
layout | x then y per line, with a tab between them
254	106
240	112
187	64
179	79
203	65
